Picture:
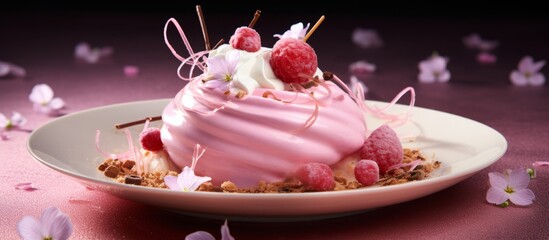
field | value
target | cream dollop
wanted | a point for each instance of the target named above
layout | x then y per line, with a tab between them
253	70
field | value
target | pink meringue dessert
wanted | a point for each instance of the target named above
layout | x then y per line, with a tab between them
260	115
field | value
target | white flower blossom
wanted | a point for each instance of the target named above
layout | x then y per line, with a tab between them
528	73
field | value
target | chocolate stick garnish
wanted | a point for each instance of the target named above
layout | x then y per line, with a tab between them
314	28
125	125
203	25
218	43
256	17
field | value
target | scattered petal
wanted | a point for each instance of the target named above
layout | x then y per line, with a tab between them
486	58
53	224
362	67
296	31
17	120
4	137
83	51
511	185
474	41
11	70
528	73
366	38
225	234
540	164
433	69
26	186
6	124
201	235
131	71
43	100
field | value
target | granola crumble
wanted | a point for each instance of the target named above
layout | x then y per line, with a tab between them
122	171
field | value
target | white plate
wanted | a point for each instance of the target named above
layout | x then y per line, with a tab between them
67	145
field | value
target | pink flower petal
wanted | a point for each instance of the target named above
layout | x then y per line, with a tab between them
131	71
519	179
26	186
537	80
522	197
496	195
518	79
57	103
296	31
213	84
4	69
8	69
487	45
426	77
225	234
4	137
17	71
540	163
537	66
200	235
425	66
486	58
53	224
29	228
4	121
438	63
361	67
232	58
171	182
366	38
61	227
497	180
48	217
216	66
17	119
81	50
41	94
188	181
526	64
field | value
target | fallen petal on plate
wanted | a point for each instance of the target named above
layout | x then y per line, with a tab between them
26	186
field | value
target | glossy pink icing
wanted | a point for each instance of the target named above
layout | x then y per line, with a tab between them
256	138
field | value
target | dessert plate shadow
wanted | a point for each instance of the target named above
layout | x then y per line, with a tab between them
464	147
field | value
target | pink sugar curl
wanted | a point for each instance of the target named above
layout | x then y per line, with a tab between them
132	153
395	119
194	59
197	153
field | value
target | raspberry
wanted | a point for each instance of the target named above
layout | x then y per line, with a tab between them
316	176
383	146
366	172
293	60
247	39
150	139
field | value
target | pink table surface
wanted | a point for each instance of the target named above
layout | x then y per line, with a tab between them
44	44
